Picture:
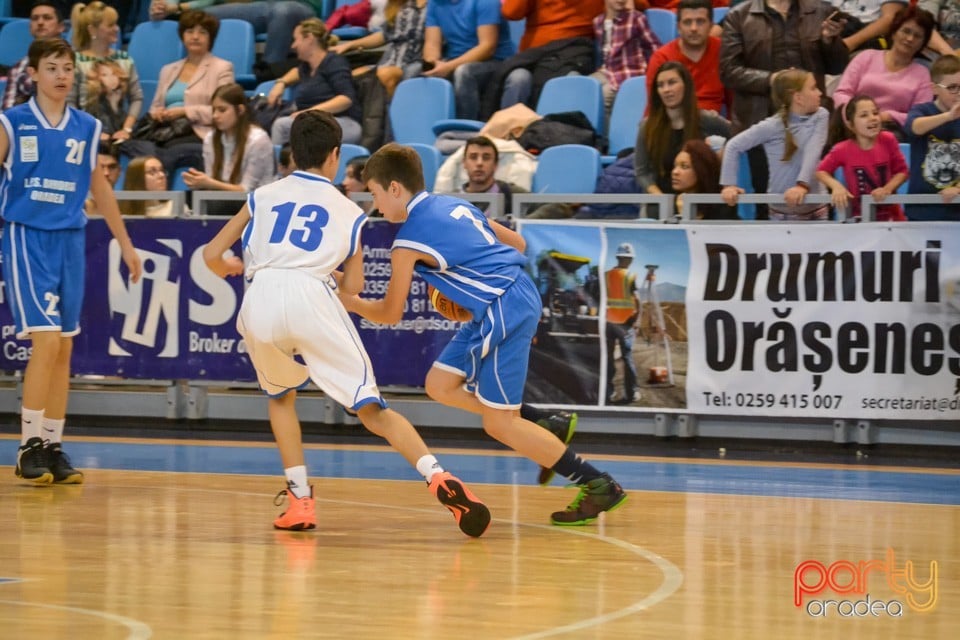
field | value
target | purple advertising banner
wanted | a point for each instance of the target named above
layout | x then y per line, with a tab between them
179	321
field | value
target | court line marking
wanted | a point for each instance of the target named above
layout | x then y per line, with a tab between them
672	576
138	630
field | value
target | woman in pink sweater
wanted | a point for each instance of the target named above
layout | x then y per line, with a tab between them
892	77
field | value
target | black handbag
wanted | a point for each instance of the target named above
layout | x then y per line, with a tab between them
159	132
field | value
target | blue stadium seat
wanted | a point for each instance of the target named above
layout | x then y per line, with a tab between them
663	23
347	153
567	168
235	42
154	44
417	104
6	12
265	87
15	39
905	150
745	182
719	13
573	93
628	109
517	27
431	158
149	90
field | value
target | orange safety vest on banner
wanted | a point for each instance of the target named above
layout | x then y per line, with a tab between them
620	300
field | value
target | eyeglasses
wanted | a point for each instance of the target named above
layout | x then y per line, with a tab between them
953	88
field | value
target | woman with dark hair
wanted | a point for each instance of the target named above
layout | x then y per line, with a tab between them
323	82
892	76
674	118
185	88
237	154
696	169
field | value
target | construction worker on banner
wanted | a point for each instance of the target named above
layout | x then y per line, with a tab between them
623	309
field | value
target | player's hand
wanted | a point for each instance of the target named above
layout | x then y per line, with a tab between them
840	197
880	194
731	194
132	259
794	195
232	266
949	193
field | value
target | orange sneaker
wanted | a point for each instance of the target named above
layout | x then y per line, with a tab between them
472	516
300	515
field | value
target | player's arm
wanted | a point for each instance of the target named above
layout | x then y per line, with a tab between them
222	242
107	206
351	281
508	236
4	145
389	309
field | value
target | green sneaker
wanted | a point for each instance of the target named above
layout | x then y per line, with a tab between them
563	425
595	497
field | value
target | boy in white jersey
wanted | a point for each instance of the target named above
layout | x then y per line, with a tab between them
478	263
295	233
49	156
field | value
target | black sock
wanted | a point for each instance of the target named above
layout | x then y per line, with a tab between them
529	413
575	468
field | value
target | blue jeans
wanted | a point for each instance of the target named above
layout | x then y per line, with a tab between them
516	88
467	82
280	133
276	19
624	335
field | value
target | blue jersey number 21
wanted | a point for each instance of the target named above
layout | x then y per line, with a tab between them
307	226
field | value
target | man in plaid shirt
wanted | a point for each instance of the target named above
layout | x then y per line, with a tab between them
45	22
626	44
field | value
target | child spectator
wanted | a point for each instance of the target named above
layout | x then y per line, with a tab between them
933	131
792	141
871	161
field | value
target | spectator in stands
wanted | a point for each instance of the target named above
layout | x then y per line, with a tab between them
106	84
108	163
945	39
933	130
871	160
480	161
892	75
323	82
285	165
867	21
674	118
402	33
696	169
557	40
761	37
698	51
626	43
464	40
353	181
146	173
237	154
793	140
185	88
275	18
45	22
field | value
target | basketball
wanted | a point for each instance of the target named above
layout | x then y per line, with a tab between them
448	308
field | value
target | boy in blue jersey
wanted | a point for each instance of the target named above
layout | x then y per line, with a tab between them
478	263
296	232
49	154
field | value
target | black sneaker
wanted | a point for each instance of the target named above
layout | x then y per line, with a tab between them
595	497
63	471
33	463
563	425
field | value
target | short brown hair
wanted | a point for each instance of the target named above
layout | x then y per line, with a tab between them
196	18
395	162
944	66
47	48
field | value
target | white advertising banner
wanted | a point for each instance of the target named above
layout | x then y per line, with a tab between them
839	321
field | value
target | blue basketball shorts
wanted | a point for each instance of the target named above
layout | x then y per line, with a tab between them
43	274
493	352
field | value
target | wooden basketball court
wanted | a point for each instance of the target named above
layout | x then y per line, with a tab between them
180	554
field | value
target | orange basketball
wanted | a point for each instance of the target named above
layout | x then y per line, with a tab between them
447	307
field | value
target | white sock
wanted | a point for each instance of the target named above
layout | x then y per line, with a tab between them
30	422
297	481
53	429
428	466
